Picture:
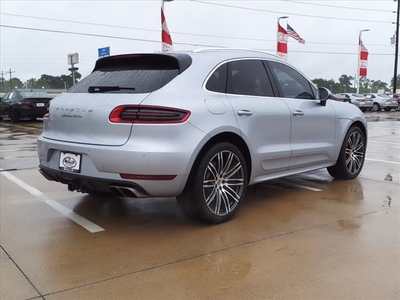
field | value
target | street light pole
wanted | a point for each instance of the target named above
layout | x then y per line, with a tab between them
396	55
358	59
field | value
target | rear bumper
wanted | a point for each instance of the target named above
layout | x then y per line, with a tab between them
386	105
146	155
85	184
32	112
364	105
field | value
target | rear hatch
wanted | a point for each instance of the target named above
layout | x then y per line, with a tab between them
81	115
34	99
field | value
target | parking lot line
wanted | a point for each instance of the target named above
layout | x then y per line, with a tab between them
81	221
383	161
305	187
383	142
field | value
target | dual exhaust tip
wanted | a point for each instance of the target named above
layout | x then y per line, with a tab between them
119	191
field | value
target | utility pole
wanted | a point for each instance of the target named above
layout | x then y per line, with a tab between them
10	78
396	55
2	81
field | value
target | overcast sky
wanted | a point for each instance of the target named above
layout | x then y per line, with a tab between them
330	28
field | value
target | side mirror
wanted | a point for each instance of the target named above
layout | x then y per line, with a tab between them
323	95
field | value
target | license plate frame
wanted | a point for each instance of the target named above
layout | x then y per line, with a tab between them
70	162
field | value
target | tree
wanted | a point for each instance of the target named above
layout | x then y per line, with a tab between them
330	84
12	84
345	82
379	85
397	82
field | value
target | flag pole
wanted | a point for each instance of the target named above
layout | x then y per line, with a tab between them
396	55
277	34
358	59
166	41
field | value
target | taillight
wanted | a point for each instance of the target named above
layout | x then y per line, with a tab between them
24	102
148	114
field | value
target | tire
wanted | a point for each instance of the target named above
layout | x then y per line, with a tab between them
376	107
216	186
351	157
14	116
388	109
363	109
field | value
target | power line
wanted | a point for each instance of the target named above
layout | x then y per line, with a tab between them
289	13
157	41
341	7
173	32
96	35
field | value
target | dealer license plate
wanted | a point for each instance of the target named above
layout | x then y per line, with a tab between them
70	162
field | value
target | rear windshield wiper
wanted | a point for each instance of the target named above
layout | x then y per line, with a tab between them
102	89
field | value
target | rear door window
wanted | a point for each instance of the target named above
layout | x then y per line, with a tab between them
217	81
248	77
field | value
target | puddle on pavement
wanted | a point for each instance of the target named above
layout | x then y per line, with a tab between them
388	177
387	202
350	224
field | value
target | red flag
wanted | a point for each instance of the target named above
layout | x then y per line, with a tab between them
363	61
281	50
165	36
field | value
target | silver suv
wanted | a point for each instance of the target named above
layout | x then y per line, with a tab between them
200	126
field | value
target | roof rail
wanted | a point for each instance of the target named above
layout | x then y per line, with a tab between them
225	48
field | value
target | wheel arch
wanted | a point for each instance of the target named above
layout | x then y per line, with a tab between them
360	125
228	137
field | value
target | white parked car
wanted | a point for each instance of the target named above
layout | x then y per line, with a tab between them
382	101
361	101
200	125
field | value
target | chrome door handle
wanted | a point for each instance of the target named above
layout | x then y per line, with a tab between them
244	113
298	113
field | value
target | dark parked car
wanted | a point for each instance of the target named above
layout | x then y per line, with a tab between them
21	103
339	97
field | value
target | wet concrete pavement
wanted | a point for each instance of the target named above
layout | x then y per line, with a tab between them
302	237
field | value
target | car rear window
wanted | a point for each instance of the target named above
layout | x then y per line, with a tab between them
34	94
138	73
384	96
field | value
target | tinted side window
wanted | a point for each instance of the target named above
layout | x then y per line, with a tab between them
5	97
217	81
248	77
291	83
